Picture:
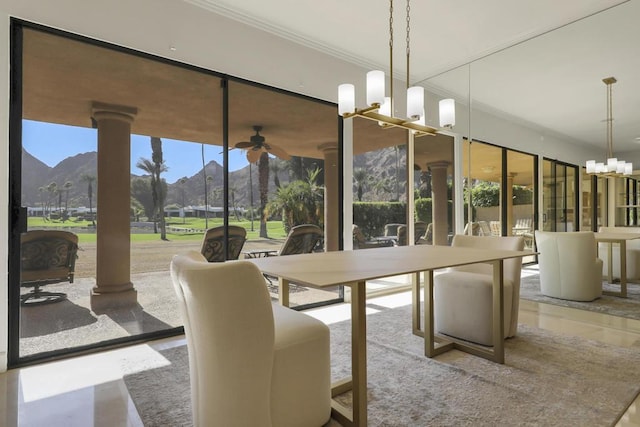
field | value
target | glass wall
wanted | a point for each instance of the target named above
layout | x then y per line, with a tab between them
379	192
500	191
277	174
126	161
560	202
482	171
594	201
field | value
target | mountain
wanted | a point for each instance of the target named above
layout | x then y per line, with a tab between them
380	167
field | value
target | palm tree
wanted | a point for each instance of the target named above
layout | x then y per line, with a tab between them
89	179
52	188
42	204
263	183
360	177
183	181
154	168
275	168
300	202
207	201
206	192
251	194
160	166
67	186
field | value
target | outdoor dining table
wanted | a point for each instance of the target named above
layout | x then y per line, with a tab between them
621	239
353	268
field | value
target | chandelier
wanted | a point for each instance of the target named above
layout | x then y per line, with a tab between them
613	166
381	107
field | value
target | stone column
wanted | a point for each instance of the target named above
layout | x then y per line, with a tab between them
113	276
439	202
331	196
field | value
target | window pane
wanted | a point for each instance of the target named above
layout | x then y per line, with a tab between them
112	156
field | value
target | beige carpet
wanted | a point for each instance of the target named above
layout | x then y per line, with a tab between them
548	380
623	307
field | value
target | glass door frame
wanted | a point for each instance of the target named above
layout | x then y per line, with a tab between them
18	216
576	191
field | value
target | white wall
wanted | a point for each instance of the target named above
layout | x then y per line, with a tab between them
210	41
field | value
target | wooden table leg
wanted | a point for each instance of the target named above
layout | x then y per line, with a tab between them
359	353
498	311
283	291
623	268
415	296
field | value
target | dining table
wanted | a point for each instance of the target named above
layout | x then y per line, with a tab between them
620	238
354	268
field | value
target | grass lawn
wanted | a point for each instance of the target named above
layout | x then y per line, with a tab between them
275	229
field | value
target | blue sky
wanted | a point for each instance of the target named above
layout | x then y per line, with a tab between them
51	143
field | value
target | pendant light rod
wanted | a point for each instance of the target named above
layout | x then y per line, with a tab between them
613	166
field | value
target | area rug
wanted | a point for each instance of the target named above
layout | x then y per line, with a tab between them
624	307
548	379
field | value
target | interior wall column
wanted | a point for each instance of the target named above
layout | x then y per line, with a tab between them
439	202
331	196
113	277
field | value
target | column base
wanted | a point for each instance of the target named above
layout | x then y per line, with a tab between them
102	302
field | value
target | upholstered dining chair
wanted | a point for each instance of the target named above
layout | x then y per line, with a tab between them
569	267
463	296
252	363
46	257
213	243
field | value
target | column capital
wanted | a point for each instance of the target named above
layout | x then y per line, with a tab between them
102	111
439	164
328	146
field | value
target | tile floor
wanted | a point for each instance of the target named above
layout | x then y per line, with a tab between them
89	390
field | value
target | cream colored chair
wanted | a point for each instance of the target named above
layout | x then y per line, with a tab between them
251	363
633	254
463	296
569	268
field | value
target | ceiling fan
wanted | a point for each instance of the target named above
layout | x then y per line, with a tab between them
257	145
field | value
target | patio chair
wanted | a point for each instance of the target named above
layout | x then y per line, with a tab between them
485	229
213	243
496	228
420	228
391	230
360	241
46	257
302	239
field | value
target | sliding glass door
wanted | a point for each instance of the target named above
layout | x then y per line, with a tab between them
125	160
560	201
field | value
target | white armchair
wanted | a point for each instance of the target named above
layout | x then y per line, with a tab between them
463	296
251	363
569	268
633	254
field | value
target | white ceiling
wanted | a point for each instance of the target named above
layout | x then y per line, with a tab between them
553	81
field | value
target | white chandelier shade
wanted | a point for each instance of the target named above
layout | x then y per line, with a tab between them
376	100
381	107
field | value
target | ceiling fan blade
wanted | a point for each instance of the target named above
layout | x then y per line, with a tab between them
244	144
278	152
253	155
